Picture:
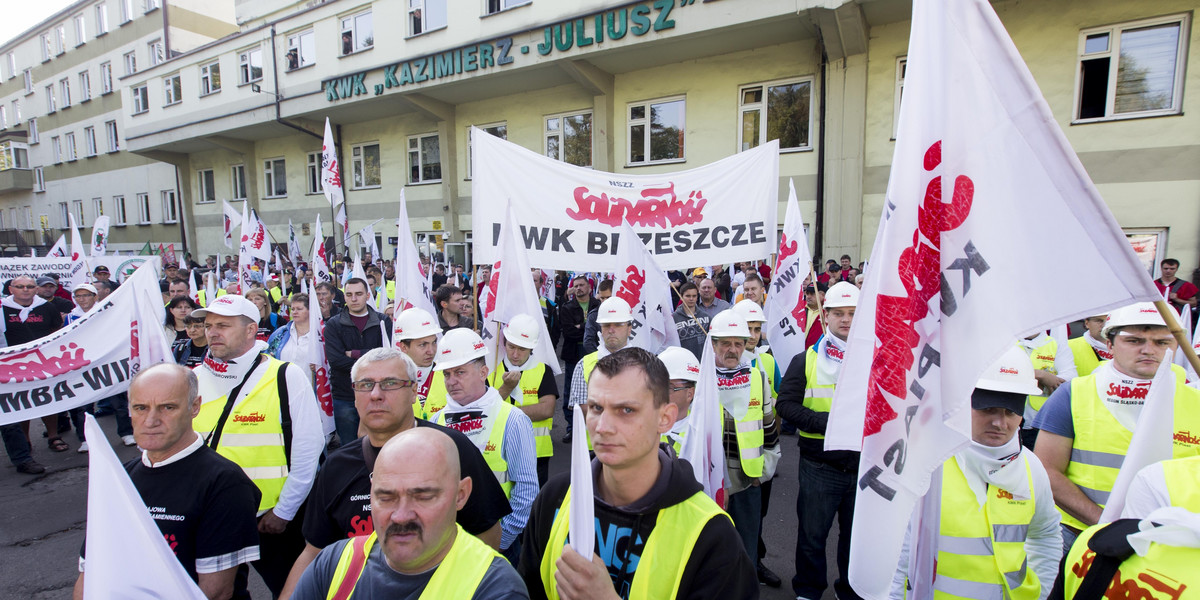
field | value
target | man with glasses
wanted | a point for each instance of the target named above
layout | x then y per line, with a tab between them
339	505
1087	425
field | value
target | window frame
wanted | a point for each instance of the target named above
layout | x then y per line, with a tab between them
98	207
120	214
51	100
35	137
60	39
487	9
89	141
11	61
39	180
106	78
303	60
77	209
313	184
630	123
44	44
130	60
64	87
356	45
126	11
470	149
80	30
64	210
357	162
28	73
114	139
143	202
245	66
237	181
206	180
561	135
408	149
101	19
71	146
170	207
1114	32
85	86
4	117
270	181
158	53
422	5
56	149
172	89
763	105
140	98
210	72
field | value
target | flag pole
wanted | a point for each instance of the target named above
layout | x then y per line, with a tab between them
474	300
1168	315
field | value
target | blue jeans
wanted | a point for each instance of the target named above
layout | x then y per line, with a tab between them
745	508
16	444
825	492
345	421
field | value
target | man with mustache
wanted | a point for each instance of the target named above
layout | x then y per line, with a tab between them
416	490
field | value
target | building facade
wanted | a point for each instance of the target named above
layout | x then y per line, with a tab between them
649	86
63	120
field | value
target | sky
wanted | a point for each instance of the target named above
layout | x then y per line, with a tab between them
20	15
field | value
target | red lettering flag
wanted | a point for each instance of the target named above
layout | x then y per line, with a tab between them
984	192
785	302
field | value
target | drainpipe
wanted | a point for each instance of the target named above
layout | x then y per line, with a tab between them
818	220
179	212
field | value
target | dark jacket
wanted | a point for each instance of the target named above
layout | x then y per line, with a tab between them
717	567
572	321
791	407
341	336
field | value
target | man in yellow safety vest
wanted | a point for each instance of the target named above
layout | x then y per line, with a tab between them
1090	349
528	385
684	371
416	334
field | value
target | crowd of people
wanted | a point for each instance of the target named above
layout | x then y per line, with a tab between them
435	480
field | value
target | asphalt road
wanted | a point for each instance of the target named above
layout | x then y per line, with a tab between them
44	517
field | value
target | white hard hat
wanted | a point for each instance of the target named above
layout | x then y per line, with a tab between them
523	331
680	363
1141	313
1011	373
728	323
842	294
416	323
458	347
614	310
751	311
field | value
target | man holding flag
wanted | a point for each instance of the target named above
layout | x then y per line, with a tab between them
528	384
640	488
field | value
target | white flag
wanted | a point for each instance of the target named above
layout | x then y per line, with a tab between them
320	264
210	287
511	293
1153	438
59	248
360	273
80	273
127	556
229	219
295	255
976	152
645	286
366	237
581	523
193	290
786	318
331	181
254	247
703	446
99	235
316	328
412	281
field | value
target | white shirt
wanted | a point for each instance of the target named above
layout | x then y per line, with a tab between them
298	349
307	438
1043	546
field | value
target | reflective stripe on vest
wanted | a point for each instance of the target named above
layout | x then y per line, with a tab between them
749	429
1183	482
531	380
493	449
1165	571
1101	442
981	553
253	434
818	398
1086	360
659	571
1043	360
457	576
589	363
766	363
435	399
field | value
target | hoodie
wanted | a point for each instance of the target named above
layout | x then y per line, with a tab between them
718	566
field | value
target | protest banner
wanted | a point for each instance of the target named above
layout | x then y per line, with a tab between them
715	214
84	361
786	318
644	285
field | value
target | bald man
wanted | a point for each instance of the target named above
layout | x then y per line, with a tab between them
416	491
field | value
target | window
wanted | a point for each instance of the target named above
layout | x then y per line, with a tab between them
170	212
275	177
110	128
778	110
3	117
11	61
237	177
119	208
64	86
13	155
426	15
143	206
80	31
39	180
1131	70
901	70
301	51
34	137
210	78
28	81
64	211
156	52
141	99
126	11
153	4
44	40
71	149
89	141
499	130
656	131
495	6
77	208
424	159
357	33
365	165
16	111
569	138
172	90
85	86
314	173
101	19
98	207
208	193
56	149
250	65
28	217
60	39
106	80
130	63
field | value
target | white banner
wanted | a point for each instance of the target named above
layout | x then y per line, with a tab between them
644	285
99	236
785	301
11	268
977	151
85	362
716	214
230	218
412	284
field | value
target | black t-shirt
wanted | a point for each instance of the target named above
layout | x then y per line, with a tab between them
190	355
339	504
181	340
41	322
205	507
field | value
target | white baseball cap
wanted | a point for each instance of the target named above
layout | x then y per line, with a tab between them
229	305
87	287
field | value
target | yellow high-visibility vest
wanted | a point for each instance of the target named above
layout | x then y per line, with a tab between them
531	379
